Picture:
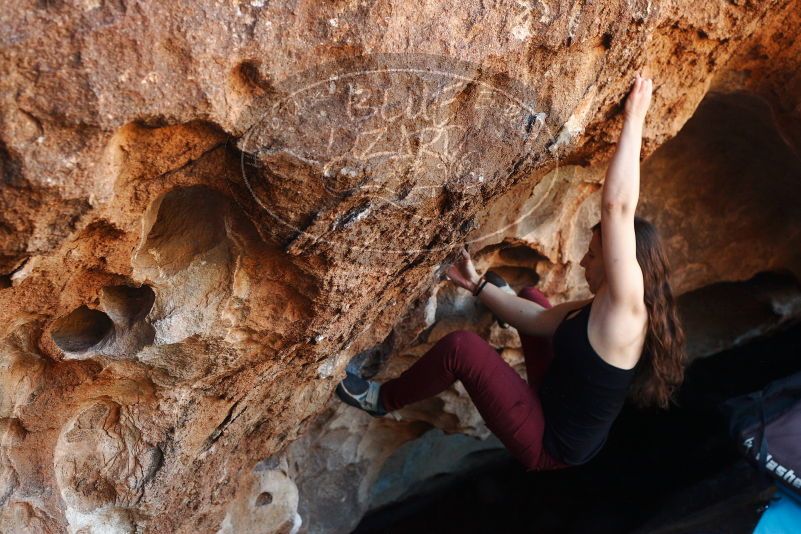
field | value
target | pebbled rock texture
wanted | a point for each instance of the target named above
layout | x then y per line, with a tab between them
209	209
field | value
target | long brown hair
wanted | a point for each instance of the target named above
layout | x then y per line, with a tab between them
660	370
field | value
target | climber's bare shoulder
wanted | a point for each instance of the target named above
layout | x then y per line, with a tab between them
617	333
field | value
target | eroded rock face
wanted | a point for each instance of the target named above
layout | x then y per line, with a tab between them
101	459
188	262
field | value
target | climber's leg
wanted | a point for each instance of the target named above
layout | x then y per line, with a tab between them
537	351
510	408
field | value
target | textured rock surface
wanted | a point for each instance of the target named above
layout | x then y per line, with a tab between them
184	278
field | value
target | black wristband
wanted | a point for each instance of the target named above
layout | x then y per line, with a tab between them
480	287
474	291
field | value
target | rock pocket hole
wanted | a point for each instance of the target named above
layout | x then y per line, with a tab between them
247	78
520	255
517	277
81	330
516	262
6	280
190	221
126	304
264	498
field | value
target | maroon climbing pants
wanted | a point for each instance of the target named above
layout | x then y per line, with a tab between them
510	407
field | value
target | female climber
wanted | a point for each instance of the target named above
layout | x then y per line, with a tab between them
583	358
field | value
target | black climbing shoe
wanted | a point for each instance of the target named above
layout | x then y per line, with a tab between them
361	393
496	280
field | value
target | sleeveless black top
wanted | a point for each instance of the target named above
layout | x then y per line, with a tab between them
581	393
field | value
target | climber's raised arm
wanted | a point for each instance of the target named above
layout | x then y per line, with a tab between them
619	198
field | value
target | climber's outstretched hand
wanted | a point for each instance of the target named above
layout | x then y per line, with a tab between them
639	99
462	272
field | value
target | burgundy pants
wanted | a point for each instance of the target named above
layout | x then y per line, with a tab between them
510	407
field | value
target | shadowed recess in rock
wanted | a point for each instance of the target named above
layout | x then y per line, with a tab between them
187	259
514	261
732	185
264	498
513	253
82	329
246	78
520	254
368	362
190	221
727	314
6	280
125	304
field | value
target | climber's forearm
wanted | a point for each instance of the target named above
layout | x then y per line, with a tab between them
621	188
509	308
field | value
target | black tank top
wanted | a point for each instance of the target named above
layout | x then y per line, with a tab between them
581	394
